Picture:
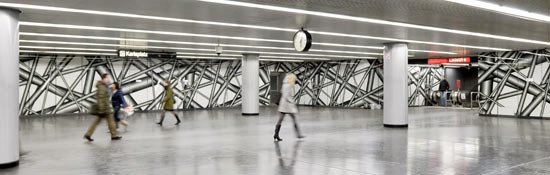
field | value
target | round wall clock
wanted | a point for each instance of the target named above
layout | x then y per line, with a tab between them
302	40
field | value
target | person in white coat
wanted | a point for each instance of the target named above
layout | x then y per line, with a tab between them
287	105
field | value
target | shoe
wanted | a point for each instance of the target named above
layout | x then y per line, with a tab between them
276	135
177	123
88	138
301	137
277	138
159	123
116	138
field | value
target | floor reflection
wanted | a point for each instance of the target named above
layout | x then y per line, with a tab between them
287	166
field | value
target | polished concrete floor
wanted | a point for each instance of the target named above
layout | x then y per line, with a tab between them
338	141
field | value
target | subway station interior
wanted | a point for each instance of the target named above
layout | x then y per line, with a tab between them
274	87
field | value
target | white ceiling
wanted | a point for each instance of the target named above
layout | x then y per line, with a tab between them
435	13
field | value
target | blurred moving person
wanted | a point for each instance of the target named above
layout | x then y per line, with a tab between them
443	88
102	109
287	105
168	103
118	102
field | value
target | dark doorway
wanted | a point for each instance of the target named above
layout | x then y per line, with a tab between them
275	84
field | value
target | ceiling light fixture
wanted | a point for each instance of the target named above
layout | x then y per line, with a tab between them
278	60
294	58
209	58
62	52
374	21
67	48
126	15
170	42
228	58
112	45
504	10
300	54
68	26
217	36
209	54
409	41
209	50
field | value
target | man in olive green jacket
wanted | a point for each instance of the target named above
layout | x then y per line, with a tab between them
168	103
102	109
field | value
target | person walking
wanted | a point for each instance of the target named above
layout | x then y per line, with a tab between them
168	103
287	105
443	87
102	109
118	102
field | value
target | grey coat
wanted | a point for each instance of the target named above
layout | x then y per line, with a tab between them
287	103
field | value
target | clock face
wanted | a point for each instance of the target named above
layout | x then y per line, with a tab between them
302	41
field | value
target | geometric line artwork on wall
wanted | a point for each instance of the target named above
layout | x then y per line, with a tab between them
62	84
515	83
423	82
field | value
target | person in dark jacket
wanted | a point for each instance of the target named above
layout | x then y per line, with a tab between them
168	103
443	88
287	105
118	102
102	109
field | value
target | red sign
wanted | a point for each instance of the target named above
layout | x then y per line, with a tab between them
438	60
459	60
448	60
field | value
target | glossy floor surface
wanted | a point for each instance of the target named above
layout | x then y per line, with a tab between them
338	141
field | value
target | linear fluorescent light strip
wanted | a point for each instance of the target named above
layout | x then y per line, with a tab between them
121	45
375	21
299	54
126	15
178	56
277	60
408	41
209	54
143	40
67	48
292	58
62	52
237	51
199	35
270	57
216	36
186	43
112	45
202	57
504	10
178	53
67	26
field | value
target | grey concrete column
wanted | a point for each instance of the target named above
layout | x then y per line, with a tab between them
395	85
9	87
250	90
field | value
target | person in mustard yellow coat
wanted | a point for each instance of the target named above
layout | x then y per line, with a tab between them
168	103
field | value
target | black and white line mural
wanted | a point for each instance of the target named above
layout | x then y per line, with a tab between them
515	83
66	83
354	83
423	81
